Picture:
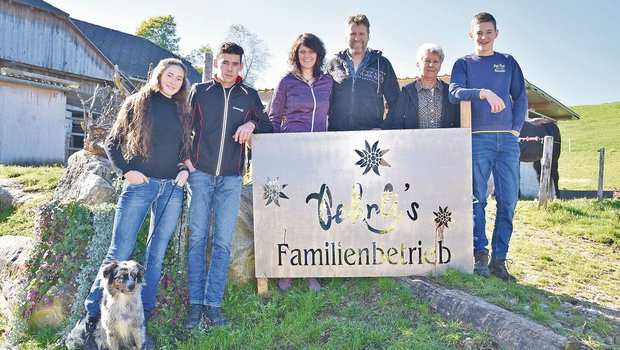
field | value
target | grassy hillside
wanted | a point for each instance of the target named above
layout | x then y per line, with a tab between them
598	127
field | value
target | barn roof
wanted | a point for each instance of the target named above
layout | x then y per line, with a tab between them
42	5
131	53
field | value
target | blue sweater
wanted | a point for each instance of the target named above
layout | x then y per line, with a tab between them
499	73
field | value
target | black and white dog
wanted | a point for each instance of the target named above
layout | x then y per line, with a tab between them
122	315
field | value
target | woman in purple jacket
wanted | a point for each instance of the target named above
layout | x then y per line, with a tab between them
301	101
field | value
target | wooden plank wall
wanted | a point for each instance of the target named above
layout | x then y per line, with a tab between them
39	38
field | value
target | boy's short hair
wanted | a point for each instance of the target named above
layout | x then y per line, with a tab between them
358	19
484	17
230	48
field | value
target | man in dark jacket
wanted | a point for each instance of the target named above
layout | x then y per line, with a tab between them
225	114
362	78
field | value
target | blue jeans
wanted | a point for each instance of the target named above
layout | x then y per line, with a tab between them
496	153
219	195
132	207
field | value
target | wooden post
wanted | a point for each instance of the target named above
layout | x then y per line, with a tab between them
465	114
262	285
601	167
544	189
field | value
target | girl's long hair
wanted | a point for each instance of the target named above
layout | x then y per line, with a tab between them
132	127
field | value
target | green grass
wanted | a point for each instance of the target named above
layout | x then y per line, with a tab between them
362	313
566	257
598	127
37	180
597	221
41	179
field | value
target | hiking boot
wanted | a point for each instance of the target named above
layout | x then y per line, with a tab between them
481	265
82	336
498	268
90	327
194	314
214	314
314	285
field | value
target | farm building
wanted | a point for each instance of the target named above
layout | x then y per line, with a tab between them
48	63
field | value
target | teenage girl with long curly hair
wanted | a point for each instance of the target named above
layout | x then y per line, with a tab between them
148	143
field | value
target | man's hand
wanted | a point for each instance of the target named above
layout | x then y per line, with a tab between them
244	132
496	103
135	177
182	177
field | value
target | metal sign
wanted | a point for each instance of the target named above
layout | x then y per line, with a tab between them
362	203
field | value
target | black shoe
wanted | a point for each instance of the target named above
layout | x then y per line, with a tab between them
82	336
498	268
194	314
481	265
214	314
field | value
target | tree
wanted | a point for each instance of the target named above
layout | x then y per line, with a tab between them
196	57
256	53
162	31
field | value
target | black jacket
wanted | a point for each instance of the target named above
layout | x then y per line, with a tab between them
216	115
405	114
360	106
166	142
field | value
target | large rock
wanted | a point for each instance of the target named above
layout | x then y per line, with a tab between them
88	179
509	330
14	253
12	194
242	246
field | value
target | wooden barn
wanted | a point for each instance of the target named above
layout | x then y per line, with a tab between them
48	63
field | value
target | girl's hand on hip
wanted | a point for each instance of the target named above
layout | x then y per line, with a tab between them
135	177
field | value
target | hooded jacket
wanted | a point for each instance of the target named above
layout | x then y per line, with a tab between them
216	114
358	105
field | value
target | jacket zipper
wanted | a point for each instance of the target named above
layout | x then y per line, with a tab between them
221	153
313	107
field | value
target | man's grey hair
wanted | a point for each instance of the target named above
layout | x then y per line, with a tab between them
429	48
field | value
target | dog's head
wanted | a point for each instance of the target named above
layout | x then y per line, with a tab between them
124	276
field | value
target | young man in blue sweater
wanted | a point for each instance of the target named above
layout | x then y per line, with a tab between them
494	84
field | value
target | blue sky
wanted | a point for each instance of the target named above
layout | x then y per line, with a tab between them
564	47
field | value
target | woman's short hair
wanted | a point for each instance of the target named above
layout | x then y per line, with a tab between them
312	42
429	48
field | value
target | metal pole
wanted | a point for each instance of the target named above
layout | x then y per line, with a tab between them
601	166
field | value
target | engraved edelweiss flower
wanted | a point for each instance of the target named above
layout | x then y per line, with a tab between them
442	217
272	191
372	157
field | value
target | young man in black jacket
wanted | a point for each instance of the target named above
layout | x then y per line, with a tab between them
362	77
225	114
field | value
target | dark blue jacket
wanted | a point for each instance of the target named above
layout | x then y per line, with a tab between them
216	115
359	105
405	114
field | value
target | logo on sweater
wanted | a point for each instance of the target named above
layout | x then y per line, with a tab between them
238	109
499	68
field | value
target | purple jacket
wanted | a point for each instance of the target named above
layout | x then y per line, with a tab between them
297	106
